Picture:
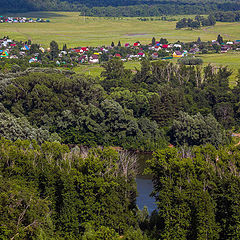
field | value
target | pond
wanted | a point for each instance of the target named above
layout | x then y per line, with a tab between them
144	185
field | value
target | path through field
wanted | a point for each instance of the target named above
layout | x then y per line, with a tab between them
24	34
208	30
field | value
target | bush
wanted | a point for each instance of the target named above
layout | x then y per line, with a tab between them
190	61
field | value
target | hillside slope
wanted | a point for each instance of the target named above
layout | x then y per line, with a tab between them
139	7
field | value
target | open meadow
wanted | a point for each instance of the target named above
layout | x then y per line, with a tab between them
75	30
232	60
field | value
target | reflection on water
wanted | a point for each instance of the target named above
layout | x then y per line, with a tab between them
144	184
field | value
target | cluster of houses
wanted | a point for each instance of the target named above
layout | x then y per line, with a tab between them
14	50
225	47
4	19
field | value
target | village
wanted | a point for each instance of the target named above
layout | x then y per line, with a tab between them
156	50
4	19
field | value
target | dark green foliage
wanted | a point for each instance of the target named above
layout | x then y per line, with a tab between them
153	41
197	23
65	47
194	195
66	193
132	8
163	41
219	39
76	109
227	16
54	49
121	109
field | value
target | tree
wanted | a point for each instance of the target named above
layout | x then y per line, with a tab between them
153	41
219	39
197	130
113	69
112	44
119	44
54	50
34	49
212	20
65	47
163	41
190	61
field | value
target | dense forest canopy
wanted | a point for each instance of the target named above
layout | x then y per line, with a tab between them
123	8
60	177
145	110
50	192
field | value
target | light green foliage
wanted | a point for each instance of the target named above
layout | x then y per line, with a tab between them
190	61
197	130
65	192
133	234
14	128
103	233
23	213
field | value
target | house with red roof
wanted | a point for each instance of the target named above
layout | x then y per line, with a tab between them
76	50
155	55
165	46
141	54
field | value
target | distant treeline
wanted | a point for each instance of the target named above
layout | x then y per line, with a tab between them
228	16
112	8
197	22
157	10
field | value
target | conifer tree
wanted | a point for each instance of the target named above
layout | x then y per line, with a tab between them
153	41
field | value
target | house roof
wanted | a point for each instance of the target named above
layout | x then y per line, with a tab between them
94	56
178	53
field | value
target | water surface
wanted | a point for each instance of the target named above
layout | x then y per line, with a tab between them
144	184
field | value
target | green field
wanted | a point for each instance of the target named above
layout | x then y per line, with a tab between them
75	30
95	70
232	60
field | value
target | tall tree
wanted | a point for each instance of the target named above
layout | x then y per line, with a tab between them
153	41
54	50
219	39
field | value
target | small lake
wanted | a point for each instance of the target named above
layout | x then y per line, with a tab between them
144	185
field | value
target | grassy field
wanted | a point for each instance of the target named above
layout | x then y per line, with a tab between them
231	59
75	30
95	70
